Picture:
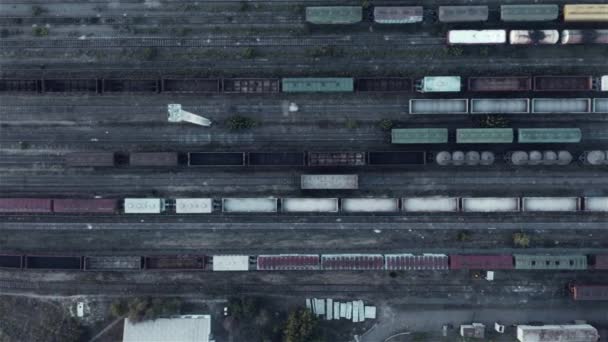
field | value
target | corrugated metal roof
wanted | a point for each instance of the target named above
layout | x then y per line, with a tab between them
194	328
411	262
324	84
419	136
484	135
481	262
528	12
549	135
550	262
338	262
334	14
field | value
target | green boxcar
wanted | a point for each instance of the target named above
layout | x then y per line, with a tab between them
334	14
484	135
550	262
419	136
549	135
529	12
323	85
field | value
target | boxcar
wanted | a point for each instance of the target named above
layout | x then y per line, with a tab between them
113	263
481	262
489	84
190	85
411	262
567	105
216	159
439	106
398	14
586	12
459	14
334	14
26	205
288	262
84	206
352	262
275	158
130	85
53	262
529	12
329	182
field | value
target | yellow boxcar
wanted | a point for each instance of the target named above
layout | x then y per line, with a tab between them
586	12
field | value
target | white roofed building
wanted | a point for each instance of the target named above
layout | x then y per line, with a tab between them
189	328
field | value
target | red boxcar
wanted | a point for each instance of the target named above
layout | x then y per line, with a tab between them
353	262
83	206
25	205
589	292
507	83
481	262
601	262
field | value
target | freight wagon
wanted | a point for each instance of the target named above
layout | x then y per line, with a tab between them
334	14
460	14
251	85
499	84
386	84
130	85
477	37
586	13
563	83
529	12
589	292
584	37
398	14
533	37
315	262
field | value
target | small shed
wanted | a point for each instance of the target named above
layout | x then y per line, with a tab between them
474	330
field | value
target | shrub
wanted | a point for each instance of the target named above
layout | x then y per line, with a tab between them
301	326
464	236
249	53
238	122
521	240
386	124
40	31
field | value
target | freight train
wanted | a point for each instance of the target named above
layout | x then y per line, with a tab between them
486	135
308	262
343	15
294	205
184	86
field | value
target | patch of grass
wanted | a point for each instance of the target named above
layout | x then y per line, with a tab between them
249	53
386	124
149	53
237	123
351	124
521	240
40	31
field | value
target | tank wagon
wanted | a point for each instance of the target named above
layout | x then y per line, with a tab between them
323	15
533	37
584	37
398	14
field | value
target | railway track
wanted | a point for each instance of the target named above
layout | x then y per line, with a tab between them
244	41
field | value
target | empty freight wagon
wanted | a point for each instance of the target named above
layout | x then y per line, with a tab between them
329	182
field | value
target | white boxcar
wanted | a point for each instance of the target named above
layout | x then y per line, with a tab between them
500	106
144	205
370	205
322	182
604	83
312	205
429	204
596	203
193	205
249	205
477	37
551	203
231	263
490	204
